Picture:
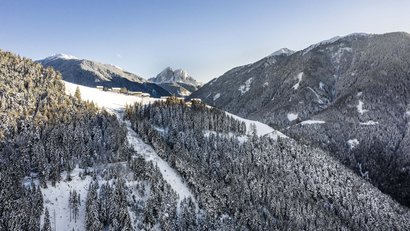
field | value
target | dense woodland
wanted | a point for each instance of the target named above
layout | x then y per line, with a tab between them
44	132
275	184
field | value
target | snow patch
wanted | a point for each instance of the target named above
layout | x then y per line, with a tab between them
299	78
265	84
261	128
352	143
217	96
292	116
370	122
307	122
321	86
360	108
60	56
246	86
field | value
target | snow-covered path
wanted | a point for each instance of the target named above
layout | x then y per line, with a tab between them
116	103
171	176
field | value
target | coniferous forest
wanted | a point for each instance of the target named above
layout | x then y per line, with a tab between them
164	164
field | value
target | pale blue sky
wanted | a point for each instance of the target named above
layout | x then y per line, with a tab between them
206	38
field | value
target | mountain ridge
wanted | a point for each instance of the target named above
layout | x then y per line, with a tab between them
91	73
337	82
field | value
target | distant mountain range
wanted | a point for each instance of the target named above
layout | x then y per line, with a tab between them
177	82
347	95
90	73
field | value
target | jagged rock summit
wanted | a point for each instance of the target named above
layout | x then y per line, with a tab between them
177	82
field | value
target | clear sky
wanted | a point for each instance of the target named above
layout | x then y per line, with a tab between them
204	37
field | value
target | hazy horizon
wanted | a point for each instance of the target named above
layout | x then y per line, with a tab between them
204	38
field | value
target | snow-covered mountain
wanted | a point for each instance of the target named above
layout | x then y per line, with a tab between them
67	164
92	73
177	82
348	95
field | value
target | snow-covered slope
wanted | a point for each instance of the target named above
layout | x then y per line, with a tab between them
171	176
56	200
116	103
106	99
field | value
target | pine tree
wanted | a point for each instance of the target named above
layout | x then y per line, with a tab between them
77	93
47	224
92	221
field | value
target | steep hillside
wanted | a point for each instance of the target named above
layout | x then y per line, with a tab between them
44	132
351	94
92	74
259	183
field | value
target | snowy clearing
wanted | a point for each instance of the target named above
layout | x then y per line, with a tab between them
307	122
292	116
56	200
352	143
360	108
246	86
106	99
299	78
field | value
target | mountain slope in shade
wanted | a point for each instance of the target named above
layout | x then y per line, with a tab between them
348	95
177	82
92	74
